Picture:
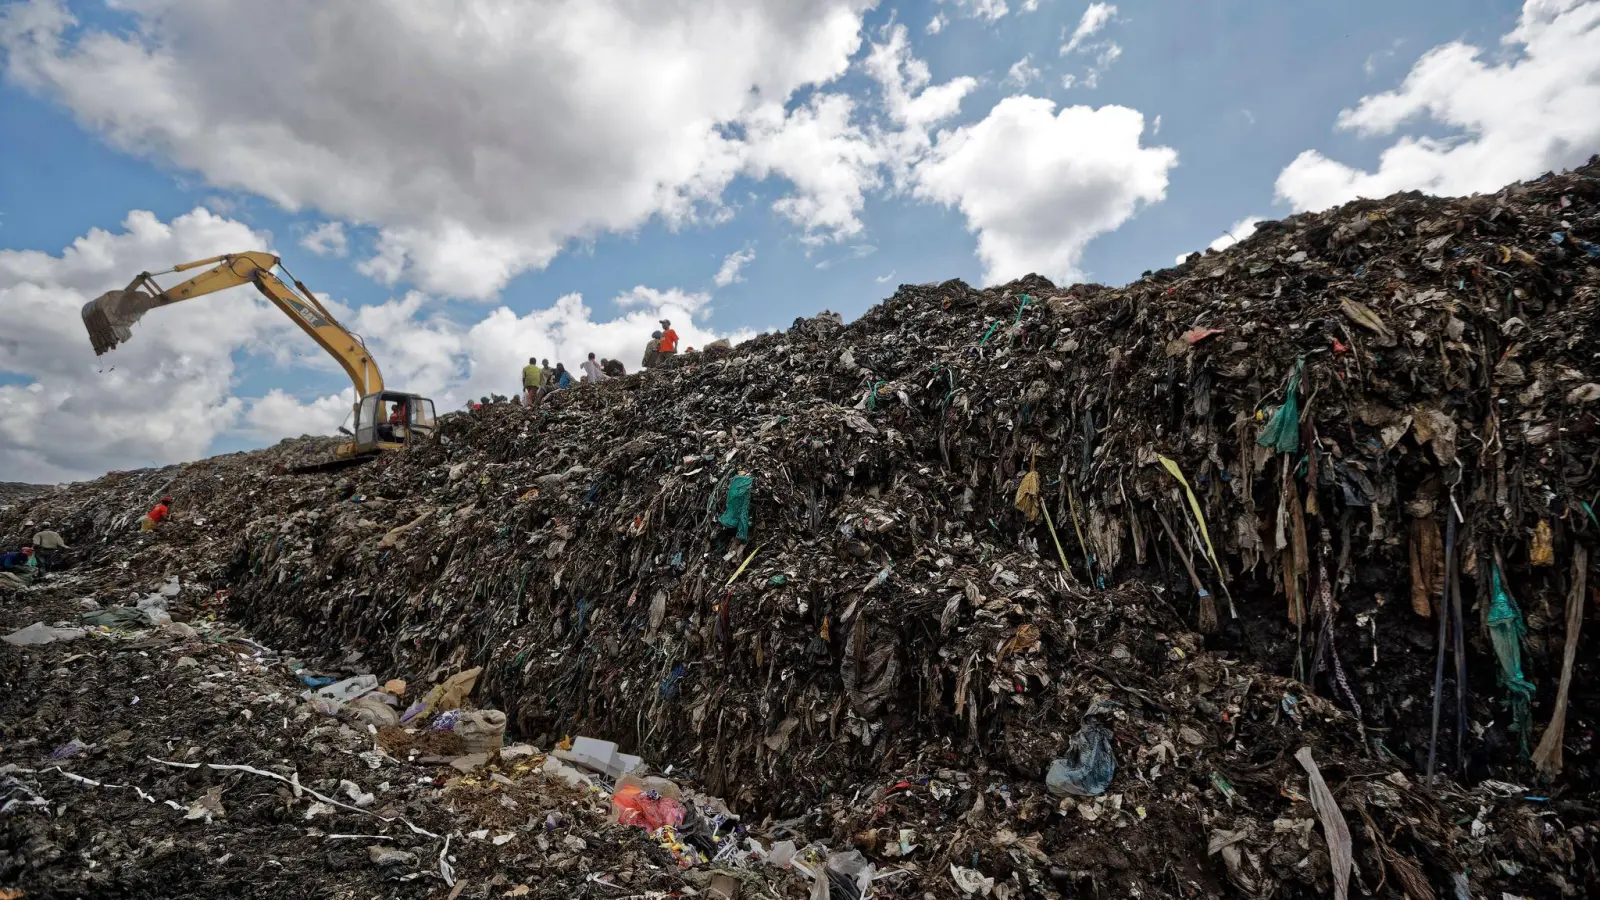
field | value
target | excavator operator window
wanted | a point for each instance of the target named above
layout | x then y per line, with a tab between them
367	421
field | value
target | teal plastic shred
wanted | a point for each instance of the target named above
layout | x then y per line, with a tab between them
1506	629
737	512
1283	431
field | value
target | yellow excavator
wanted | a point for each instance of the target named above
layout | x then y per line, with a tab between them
384	420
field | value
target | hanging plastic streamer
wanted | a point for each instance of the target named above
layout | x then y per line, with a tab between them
1506	629
1283	431
737	512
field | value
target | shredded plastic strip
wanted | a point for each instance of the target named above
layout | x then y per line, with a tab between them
295	783
1200	521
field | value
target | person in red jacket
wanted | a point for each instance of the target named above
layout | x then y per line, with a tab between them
155	516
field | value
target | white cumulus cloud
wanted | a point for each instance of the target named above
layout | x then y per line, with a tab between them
914	103
1531	109
1094	19
1037	185
988	10
1104	52
279	414
830	161
1022	73
1236	232
327	239
732	264
479	138
162	396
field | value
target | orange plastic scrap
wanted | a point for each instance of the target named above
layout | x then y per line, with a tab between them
647	809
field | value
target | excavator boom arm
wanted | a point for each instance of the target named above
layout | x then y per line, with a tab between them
107	318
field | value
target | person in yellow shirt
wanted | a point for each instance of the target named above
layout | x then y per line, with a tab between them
532	380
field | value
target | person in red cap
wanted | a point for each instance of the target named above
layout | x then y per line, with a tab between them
18	561
669	341
155	516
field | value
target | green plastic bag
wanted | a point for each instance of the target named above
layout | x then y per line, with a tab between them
737	512
1283	431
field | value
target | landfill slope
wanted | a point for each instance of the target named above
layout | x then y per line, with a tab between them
13	491
1220	507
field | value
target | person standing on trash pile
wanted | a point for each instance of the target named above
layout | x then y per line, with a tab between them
563	377
669	341
155	516
650	350
47	546
532	380
592	370
48	539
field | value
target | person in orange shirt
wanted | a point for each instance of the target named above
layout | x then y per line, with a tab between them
155	516
669	340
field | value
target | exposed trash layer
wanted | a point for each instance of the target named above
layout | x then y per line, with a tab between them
1088	568
181	762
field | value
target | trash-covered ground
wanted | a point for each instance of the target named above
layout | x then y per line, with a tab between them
1174	590
182	762
12	491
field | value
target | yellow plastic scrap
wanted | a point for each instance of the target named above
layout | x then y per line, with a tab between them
740	570
1543	551
1027	501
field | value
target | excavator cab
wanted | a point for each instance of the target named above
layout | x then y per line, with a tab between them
389	420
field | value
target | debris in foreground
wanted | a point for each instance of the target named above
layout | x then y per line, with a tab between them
1204	547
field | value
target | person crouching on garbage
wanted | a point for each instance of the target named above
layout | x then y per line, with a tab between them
155	516
17	561
18	569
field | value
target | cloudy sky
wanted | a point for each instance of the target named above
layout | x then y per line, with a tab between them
470	182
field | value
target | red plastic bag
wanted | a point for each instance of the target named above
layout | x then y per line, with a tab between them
647	809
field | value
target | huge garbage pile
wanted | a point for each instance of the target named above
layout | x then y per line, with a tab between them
1179	589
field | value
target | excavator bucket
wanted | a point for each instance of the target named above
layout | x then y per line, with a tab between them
110	317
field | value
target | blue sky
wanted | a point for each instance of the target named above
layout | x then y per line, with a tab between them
107	113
